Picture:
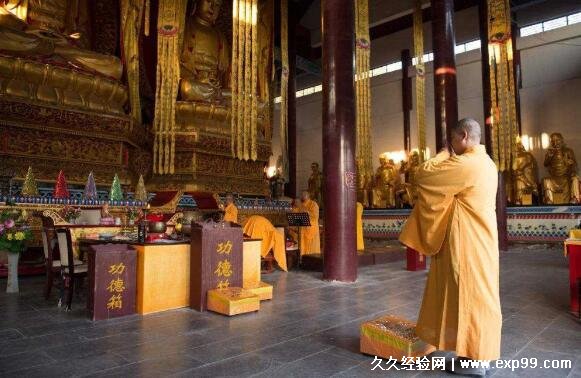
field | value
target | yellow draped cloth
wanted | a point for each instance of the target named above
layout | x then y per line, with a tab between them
231	213
310	241
454	221
360	243
258	227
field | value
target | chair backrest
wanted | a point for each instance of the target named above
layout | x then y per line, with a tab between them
45	245
66	248
48	238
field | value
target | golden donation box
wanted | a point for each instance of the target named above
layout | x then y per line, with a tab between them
392	337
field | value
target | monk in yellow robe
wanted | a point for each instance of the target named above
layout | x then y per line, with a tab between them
454	222
230	211
258	227
360	243
309	241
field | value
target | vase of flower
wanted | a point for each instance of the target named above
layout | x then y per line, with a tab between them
133	214
12	283
14	232
70	213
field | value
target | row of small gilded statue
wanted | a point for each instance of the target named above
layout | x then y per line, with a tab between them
393	186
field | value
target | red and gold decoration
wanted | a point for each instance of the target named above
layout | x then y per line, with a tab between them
244	79
170	21
420	78
362	88
503	120
60	189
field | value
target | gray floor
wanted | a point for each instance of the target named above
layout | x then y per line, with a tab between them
310	329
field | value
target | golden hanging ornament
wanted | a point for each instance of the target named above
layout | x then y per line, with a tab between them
364	153
284	86
245	57
503	119
418	30
132	16
170	21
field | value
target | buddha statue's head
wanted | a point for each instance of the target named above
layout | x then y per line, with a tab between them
382	160
520	148
315	167
557	141
208	10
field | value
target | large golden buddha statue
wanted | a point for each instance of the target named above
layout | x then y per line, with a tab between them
524	177
562	185
205	94
385	185
54	63
205	59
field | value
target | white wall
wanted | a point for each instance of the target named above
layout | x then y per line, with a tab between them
550	97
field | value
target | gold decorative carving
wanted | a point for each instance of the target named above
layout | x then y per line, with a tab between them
34	143
60	86
56	218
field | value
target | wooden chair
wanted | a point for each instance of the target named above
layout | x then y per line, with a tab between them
72	271
52	266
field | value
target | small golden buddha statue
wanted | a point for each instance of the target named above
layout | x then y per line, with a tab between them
205	59
384	187
315	184
56	30
408	190
524	177
562	185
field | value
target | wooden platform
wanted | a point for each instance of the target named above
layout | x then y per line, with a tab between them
373	256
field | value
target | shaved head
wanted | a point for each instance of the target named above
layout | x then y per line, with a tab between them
470	127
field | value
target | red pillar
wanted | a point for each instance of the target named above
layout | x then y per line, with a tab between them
340	256
487	104
445	89
406	94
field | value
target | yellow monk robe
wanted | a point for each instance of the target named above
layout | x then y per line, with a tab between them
231	213
258	227
310	242
360	243
454	221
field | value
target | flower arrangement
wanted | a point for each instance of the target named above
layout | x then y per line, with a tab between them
134	213
13	230
70	213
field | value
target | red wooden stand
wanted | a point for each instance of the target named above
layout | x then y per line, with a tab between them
415	260
574	253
